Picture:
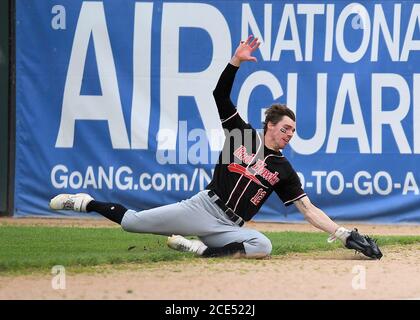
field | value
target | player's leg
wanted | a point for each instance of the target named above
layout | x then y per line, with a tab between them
180	243
178	218
255	244
186	217
234	242
113	211
82	202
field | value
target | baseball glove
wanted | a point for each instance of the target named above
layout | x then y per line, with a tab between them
363	244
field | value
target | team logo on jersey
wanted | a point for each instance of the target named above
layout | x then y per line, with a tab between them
234	167
259	167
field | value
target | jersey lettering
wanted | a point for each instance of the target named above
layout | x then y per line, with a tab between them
259	167
242	154
256	199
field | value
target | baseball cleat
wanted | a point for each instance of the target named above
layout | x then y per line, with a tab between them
75	202
180	243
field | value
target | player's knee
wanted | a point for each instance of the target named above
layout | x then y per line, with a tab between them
128	222
264	246
259	248
125	225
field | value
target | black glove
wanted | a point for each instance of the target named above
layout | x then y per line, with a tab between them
363	244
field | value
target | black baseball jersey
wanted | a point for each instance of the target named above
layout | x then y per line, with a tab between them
247	171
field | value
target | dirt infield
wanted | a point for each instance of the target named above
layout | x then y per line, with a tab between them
324	275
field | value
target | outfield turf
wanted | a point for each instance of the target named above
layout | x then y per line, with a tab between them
31	248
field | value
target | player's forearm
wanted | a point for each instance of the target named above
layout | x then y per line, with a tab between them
316	216
320	220
223	90
225	83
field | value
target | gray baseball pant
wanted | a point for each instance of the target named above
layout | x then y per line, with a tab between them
196	216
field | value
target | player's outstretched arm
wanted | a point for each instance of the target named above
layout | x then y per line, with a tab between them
350	239
244	51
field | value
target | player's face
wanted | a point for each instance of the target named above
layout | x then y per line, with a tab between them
282	132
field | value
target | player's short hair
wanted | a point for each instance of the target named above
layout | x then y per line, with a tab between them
275	113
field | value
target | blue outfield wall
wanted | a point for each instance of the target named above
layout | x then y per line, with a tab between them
114	98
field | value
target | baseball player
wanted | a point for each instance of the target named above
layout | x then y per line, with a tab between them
250	167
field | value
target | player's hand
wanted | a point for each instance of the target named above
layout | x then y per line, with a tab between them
244	51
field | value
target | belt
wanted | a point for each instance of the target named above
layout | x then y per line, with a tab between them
228	211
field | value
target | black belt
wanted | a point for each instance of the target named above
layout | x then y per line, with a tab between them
228	211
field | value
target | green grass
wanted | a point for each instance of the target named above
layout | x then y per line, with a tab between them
31	248
289	242
43	247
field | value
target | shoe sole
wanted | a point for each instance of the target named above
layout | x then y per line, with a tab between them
67	195
55	199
